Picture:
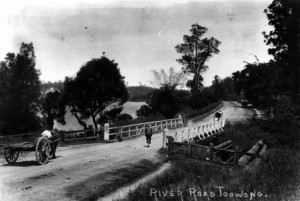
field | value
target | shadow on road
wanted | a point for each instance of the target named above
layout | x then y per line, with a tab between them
23	164
28	163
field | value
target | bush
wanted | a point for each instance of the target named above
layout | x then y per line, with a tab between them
166	101
284	127
245	135
124	116
144	111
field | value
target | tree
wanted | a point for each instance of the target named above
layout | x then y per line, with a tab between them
97	85
217	87
166	101
144	111
173	79
201	99
258	82
228	87
50	107
124	116
195	53
19	91
284	15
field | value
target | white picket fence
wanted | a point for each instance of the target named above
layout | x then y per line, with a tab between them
114	133
200	132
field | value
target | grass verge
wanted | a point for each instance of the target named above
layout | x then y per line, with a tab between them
275	178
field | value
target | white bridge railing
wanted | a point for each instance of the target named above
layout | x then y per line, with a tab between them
114	133
199	132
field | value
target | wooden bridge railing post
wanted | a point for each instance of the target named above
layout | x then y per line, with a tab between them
211	151
165	134
170	145
106	131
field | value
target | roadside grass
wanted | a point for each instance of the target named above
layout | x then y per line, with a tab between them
99	185
274	178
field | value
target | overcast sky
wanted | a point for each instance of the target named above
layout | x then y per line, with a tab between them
138	35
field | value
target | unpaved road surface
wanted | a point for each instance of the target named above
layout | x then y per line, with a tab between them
28	181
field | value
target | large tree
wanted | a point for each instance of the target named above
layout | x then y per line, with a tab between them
19	91
97	85
196	51
284	16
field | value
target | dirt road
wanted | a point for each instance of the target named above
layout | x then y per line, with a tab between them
28	181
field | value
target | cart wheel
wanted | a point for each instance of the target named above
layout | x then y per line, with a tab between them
42	150
11	155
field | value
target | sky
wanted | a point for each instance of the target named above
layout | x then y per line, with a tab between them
139	35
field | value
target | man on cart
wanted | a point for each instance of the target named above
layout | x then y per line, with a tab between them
53	137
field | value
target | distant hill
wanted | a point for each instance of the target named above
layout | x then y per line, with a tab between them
136	93
139	93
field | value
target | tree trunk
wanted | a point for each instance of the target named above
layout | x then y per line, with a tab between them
82	123
94	121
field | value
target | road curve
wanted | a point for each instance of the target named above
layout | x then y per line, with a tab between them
28	181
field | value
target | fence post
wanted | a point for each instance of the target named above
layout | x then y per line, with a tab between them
211	148
170	145
165	134
181	121
223	122
236	155
106	131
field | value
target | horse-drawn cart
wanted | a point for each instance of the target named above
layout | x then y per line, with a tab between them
43	147
218	115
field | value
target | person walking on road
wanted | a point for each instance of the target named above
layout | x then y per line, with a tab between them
148	134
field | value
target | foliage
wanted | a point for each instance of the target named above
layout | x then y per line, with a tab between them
246	134
124	116
217	87
50	107
173	79
229	94
284	16
144	111
139	93
109	115
284	127
19	91
201	99
97	85
195	52
219	90
166	101
258	83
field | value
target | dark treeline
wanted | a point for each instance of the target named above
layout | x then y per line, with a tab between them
136	93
